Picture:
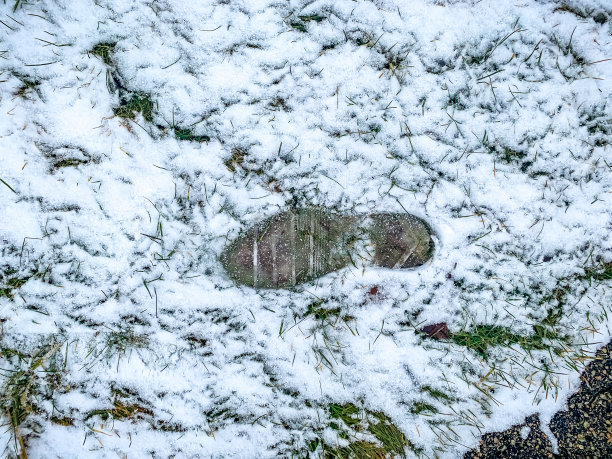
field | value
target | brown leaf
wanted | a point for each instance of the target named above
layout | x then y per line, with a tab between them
436	331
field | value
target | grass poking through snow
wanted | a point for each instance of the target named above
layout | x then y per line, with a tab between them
362	434
134	104
21	386
104	51
188	134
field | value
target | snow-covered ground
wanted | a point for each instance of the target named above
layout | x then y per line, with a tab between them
491	120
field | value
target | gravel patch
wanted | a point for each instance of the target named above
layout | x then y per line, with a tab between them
584	429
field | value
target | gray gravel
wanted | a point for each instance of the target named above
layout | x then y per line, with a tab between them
583	429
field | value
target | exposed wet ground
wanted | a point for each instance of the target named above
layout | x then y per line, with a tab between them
583	429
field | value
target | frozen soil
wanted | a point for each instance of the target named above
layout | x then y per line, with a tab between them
138	139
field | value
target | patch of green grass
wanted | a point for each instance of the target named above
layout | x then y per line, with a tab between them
481	337
278	104
457	98
104	51
395	64
21	386
69	162
320	313
123	408
481	59
120	411
62	421
509	155
26	88
503	152
379	439
115	343
344	412
120	341
392	439
601	272
597	123
19	3
236	160
544	336
9	353
436	394
355	450
137	103
393	61
219	414
187	134
11	285
312	17
422	407
299	26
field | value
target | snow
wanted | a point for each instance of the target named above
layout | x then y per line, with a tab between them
130	238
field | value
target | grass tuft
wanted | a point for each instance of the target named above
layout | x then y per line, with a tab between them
320	313
312	17
236	160
27	88
300	23
66	422
17	398
392	439
187	134
436	394
70	162
19	3
358	450
482	58
601	272
120	411
137	103
299	26
422	407
481	337
120	341
344	413
11	285
104	51
380	439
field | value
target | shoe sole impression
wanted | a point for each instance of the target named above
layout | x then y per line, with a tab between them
297	246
